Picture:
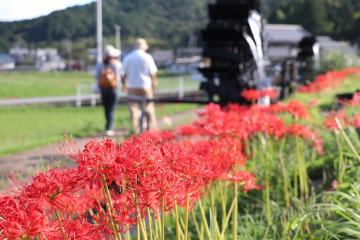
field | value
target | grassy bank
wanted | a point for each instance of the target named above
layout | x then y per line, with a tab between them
40	84
28	127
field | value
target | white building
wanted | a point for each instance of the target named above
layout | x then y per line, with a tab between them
6	62
48	59
283	40
20	54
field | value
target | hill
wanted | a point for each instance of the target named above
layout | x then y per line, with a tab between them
166	23
171	23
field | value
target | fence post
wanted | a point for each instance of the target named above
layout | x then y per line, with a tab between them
78	96
93	100
181	87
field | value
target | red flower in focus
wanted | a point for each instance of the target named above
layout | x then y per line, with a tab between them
245	178
100	157
51	187
21	218
77	230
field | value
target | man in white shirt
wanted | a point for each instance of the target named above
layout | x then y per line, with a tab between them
139	80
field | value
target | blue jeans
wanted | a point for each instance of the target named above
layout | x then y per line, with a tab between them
108	99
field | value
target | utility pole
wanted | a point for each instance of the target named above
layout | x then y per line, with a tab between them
118	37
99	39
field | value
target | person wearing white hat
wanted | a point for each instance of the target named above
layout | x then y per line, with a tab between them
139	80
107	75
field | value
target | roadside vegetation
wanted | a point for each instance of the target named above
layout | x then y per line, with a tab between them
28	127
44	84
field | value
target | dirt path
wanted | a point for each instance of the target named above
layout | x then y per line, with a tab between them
26	162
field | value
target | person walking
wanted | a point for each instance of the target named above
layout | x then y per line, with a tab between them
139	81
107	75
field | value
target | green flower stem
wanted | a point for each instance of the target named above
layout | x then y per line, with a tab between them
177	224
163	218
158	226
339	165
198	230
302	171
61	225
150	224
284	175
139	222
235	212
225	225
204	221
223	202
265	163
187	209
353	149
109	207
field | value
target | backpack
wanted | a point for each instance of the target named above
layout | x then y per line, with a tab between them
107	78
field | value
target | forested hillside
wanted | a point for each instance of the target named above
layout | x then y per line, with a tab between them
337	18
171	23
167	23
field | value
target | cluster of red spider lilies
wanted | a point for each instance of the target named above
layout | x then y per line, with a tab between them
114	187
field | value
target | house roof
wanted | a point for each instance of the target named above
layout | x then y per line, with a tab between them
330	45
5	58
284	33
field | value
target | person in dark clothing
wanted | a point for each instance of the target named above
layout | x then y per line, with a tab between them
107	76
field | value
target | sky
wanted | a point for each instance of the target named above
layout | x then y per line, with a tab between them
11	10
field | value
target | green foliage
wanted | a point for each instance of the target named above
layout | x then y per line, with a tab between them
337	18
337	61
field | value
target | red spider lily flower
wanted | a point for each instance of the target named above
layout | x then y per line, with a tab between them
245	178
51	187
330	122
356	121
21	218
188	130
160	135
355	101
269	124
100	158
77	230
250	95
330	79
297	109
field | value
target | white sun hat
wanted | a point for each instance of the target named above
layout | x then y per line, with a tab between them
110	51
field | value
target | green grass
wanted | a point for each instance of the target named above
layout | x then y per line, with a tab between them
28	127
40	84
